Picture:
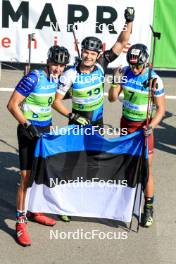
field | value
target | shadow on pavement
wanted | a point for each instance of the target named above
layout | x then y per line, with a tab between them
165	138
103	221
9	177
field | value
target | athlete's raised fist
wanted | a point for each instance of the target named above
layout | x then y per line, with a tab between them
129	14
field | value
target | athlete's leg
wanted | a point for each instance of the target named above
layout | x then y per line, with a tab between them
147	220
21	193
26	153
149	190
21	220
25	158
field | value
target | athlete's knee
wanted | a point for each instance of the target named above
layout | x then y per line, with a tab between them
150	160
25	175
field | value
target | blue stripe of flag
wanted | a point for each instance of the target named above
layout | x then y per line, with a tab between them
49	145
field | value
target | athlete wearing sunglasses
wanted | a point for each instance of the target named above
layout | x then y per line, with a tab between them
135	86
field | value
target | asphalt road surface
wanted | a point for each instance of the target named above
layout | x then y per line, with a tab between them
153	245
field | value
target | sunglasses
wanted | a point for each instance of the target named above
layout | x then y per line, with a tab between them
138	67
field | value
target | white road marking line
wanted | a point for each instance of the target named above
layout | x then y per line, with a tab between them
171	97
6	89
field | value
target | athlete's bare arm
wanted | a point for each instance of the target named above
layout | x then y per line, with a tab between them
124	36
160	104
14	106
114	92
59	106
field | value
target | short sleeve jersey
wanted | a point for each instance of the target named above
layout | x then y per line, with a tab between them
39	91
136	93
87	88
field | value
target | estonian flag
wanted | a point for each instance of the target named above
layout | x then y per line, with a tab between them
88	175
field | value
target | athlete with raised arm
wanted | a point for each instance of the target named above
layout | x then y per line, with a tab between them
87	78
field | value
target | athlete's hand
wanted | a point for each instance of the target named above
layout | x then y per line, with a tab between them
31	130
148	130
152	83
129	14
80	120
117	75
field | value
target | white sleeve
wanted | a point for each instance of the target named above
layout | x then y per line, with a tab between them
66	80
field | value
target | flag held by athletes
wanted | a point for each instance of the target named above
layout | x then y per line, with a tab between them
88	175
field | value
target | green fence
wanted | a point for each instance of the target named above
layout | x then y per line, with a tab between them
165	22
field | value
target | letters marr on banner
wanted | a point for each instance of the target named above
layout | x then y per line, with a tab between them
52	24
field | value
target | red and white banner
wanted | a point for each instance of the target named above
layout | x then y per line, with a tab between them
51	22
